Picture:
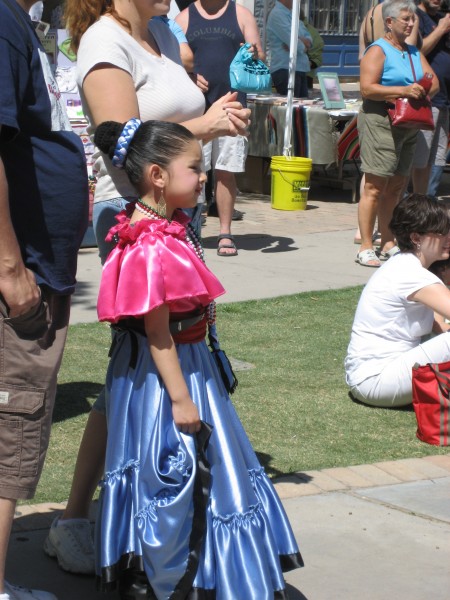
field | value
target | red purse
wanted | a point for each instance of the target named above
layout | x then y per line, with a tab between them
413	114
430	391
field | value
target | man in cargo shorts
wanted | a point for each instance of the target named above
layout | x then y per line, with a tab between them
43	217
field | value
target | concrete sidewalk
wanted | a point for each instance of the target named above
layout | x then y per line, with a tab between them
367	532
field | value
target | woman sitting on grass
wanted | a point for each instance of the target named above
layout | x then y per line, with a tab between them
397	308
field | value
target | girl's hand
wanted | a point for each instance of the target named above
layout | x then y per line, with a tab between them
164	353
186	417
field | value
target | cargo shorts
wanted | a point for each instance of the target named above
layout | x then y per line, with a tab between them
31	348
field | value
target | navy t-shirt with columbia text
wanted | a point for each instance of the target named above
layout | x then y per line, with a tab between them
43	158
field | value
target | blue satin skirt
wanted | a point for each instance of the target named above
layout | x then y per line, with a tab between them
197	513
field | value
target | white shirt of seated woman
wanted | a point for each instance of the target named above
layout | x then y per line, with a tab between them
397	308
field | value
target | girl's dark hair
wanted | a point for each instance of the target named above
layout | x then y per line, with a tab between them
420	214
155	142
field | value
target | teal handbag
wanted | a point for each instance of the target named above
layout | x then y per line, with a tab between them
249	75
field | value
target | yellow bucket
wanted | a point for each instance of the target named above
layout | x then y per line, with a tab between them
290	182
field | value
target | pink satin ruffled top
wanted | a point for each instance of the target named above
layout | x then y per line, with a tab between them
153	264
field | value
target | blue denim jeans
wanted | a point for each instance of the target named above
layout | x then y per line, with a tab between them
435	179
103	219
196	218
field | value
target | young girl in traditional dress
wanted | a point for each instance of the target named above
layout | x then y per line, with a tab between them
184	497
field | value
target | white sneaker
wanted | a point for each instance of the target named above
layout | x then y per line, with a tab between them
16	592
72	546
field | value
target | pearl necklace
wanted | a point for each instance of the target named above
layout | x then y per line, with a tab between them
191	237
194	242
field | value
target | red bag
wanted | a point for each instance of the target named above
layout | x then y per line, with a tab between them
413	114
430	391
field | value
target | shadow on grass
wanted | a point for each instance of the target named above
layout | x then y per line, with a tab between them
276	475
256	242
407	408
75	398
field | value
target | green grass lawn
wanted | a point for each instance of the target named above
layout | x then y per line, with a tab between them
294	403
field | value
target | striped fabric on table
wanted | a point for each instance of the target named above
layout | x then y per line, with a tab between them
348	142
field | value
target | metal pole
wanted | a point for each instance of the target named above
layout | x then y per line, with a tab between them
292	64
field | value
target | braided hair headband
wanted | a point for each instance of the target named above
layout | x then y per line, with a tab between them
121	149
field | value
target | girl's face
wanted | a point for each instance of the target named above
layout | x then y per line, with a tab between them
434	246
185	178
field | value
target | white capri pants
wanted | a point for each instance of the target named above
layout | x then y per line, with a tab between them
393	386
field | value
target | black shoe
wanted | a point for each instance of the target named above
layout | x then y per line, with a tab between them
237	215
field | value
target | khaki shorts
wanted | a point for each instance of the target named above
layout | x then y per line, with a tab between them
31	348
385	150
